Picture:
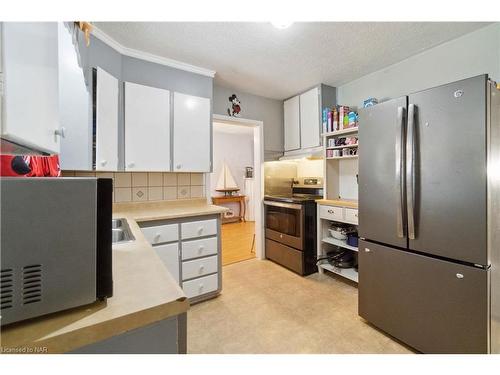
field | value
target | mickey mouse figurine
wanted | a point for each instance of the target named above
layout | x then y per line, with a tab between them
235	106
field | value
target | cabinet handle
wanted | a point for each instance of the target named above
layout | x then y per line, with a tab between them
331	211
367	250
460	276
178	166
61	132
104	162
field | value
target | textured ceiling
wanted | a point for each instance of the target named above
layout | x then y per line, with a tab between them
260	59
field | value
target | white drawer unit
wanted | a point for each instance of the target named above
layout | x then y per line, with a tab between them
199	267
199	248
331	213
194	229
169	254
351	215
161	233
201	286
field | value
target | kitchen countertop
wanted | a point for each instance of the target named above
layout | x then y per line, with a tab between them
144	291
349	203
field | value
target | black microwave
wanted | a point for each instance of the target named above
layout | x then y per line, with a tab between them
56	242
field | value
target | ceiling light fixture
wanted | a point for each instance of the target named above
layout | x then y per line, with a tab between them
281	24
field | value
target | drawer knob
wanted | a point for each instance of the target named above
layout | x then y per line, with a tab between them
356	215
367	250
330	211
200	288
202	268
178	166
157	237
131	165
200	230
201	248
103	162
460	276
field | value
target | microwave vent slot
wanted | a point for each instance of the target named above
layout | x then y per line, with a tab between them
32	284
6	288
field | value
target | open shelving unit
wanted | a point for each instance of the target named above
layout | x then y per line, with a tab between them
340	186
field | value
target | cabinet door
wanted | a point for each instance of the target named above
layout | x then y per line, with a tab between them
433	305
74	107
192	133
169	254
309	119
106	122
147	128
291	118
31	90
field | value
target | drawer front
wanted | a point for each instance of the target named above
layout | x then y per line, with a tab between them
199	267
203	285
161	233
200	228
331	213
169	254
199	248
351	215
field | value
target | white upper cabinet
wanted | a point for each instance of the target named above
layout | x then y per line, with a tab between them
147	128
310	119
74	107
31	91
192	133
292	123
106	121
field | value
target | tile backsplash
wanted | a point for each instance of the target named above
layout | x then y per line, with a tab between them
150	186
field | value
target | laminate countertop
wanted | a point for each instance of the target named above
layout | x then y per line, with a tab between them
338	202
144	292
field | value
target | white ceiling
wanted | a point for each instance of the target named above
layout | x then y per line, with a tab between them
260	59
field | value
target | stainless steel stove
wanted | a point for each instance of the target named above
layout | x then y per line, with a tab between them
290	221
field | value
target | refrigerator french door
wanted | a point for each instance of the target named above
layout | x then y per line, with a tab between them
424	217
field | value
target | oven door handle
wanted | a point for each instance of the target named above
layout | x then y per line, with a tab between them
293	206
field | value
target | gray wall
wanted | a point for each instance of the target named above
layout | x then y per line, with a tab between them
131	69
470	55
254	107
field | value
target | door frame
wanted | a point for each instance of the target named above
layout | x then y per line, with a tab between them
258	145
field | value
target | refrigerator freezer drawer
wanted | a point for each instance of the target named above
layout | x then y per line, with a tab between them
432	305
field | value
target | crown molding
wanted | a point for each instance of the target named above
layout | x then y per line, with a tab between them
105	38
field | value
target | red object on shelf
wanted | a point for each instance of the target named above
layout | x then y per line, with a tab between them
30	166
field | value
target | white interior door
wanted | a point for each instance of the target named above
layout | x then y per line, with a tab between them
291	119
192	138
309	118
147	128
31	90
106	121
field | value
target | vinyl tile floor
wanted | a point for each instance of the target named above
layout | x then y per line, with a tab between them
264	308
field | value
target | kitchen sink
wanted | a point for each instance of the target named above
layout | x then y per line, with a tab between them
121	231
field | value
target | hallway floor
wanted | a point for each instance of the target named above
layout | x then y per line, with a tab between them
237	242
265	308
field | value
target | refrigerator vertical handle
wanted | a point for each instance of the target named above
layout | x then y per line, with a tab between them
410	171
400	136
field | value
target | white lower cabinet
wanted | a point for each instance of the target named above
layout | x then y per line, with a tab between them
169	254
203	285
190	250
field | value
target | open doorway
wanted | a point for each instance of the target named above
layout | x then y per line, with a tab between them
236	184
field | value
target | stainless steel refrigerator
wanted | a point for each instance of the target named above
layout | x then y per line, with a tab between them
429	217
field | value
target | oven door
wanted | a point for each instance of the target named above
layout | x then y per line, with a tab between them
284	223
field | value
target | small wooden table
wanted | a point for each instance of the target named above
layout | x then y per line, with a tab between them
233	198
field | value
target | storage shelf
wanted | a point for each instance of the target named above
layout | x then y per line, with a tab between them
342	157
340	243
348	273
341	147
341	132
